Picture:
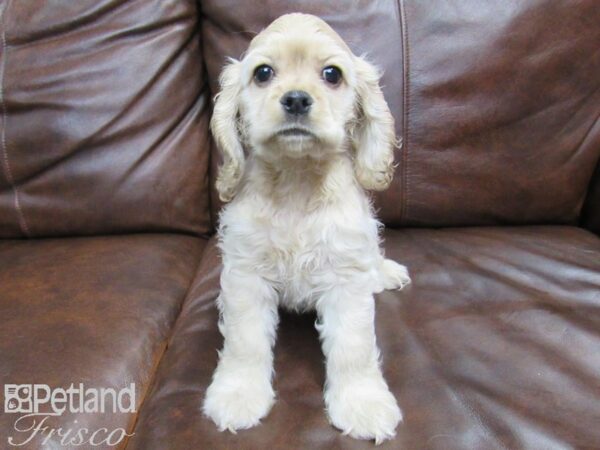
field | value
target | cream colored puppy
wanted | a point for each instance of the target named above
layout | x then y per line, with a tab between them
299	231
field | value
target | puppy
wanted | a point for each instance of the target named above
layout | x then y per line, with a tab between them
299	231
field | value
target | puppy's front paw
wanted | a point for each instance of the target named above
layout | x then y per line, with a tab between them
364	409
238	400
394	275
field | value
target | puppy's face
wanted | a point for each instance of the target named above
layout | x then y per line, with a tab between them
297	91
300	92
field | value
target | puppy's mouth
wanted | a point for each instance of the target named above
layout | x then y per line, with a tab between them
295	132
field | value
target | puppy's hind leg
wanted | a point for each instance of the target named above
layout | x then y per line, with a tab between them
241	392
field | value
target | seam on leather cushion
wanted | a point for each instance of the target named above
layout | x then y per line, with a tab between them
5	161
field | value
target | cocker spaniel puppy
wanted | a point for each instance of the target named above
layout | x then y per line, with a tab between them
299	231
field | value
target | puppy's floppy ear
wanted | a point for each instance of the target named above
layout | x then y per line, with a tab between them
225	129
373	135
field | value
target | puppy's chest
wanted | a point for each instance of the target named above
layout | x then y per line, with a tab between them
293	247
301	252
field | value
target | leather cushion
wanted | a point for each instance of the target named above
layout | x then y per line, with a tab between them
104	118
95	310
494	345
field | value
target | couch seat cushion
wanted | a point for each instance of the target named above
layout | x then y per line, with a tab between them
96	311
495	345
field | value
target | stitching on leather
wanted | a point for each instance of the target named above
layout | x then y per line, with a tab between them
5	161
405	106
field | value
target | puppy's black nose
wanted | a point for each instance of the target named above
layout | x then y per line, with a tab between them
296	103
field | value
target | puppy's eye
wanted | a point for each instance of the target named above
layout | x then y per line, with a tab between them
263	73
332	75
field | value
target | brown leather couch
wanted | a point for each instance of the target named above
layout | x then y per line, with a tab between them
108	271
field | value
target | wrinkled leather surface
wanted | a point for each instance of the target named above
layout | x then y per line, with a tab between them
503	108
495	345
104	118
496	101
94	310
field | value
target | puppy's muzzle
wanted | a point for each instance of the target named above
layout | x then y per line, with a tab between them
296	103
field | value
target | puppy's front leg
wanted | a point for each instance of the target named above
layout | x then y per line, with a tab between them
241	393
357	397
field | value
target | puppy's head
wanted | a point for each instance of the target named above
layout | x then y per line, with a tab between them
299	92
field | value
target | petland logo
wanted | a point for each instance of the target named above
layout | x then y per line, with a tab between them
38	402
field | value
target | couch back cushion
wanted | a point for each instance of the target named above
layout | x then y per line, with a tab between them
496	101
104	118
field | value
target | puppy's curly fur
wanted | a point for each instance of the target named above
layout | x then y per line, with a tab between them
299	231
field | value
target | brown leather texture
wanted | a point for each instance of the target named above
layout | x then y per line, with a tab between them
497	103
92	310
494	345
104	118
